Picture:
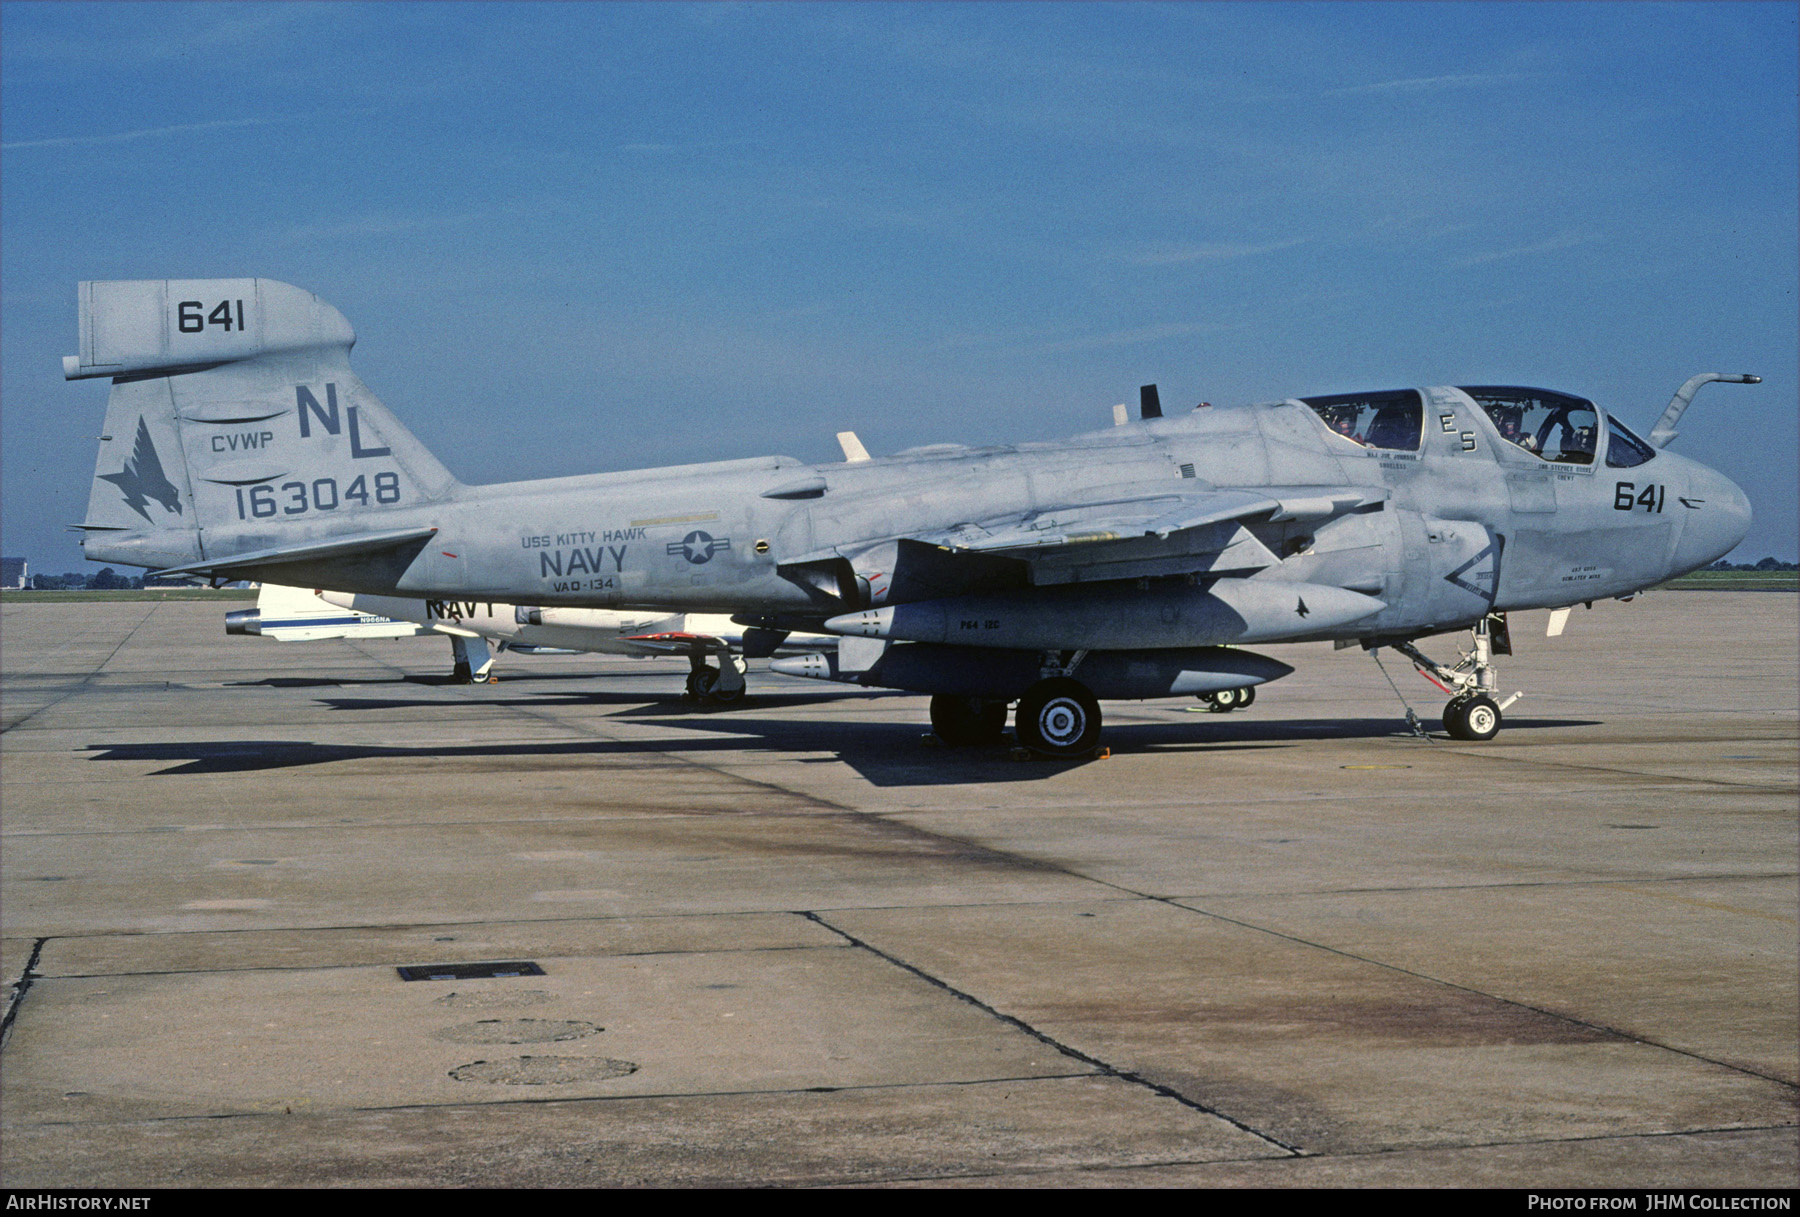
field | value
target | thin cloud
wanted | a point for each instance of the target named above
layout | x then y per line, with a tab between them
70	141
1564	241
1425	84
173	32
372	226
1123	338
1213	251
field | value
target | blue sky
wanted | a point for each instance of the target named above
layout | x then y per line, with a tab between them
576	237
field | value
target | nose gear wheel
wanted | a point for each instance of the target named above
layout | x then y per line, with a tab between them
1474	718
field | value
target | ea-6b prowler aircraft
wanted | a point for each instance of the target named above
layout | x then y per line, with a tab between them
1132	562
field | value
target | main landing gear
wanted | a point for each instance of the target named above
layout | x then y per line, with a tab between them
1473	712
721	685
968	722
1057	717
472	661
1224	701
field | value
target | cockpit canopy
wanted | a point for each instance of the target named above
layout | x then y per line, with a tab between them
1394	419
1553	426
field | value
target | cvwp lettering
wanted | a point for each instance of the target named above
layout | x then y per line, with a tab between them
243	442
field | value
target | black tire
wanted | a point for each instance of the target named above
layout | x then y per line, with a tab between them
701	682
1453	725
967	722
1473	719
1058	717
1227	700
1246	695
725	697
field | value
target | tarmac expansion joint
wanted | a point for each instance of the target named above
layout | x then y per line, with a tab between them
1104	1068
20	987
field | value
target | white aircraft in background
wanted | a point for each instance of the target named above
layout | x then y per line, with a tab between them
297	614
292	614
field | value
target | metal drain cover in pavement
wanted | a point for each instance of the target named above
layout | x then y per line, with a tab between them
468	971
543	1070
517	1031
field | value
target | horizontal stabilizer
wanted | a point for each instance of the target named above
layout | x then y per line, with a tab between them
141	326
335	547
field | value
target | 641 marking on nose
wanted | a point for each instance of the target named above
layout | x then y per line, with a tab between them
1626	497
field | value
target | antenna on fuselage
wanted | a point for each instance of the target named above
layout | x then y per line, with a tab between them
854	452
1149	402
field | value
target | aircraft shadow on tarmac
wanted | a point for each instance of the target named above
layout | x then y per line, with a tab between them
635	705
410	678
886	754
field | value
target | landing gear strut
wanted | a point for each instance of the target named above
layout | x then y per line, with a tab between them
1473	712
472	661
722	685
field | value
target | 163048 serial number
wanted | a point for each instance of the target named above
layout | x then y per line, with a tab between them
321	494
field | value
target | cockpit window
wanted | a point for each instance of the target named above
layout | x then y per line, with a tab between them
1623	449
1394	419
1551	426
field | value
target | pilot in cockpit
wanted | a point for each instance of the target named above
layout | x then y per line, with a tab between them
1507	423
1342	421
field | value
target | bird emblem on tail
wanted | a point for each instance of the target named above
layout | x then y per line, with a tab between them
143	478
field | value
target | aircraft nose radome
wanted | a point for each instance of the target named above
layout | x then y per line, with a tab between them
1718	521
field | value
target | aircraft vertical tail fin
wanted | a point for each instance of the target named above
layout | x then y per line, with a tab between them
235	423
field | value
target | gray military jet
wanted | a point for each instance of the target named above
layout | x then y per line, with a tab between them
1132	562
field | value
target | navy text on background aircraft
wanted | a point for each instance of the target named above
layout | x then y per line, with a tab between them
1133	562
480	630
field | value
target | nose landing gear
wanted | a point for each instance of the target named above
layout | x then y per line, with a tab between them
1473	712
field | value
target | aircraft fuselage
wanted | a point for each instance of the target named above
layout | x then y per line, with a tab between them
711	537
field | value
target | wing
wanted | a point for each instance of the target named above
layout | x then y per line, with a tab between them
1208	532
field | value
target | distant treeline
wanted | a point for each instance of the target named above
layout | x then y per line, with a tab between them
106	579
1765	564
